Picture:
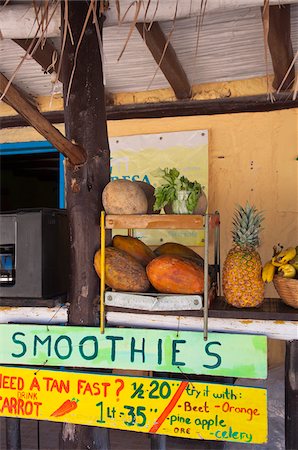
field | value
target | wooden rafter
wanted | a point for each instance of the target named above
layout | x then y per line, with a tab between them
73	152
233	105
157	42
280	46
44	54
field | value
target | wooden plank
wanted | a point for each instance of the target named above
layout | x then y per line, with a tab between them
270	310
274	329
43	54
165	56
155	221
147	405
73	152
280	46
43	315
35	302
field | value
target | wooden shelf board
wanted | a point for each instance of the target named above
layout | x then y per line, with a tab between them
271	309
155	221
33	302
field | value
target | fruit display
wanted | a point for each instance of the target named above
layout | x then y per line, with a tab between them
131	266
174	274
284	263
242	281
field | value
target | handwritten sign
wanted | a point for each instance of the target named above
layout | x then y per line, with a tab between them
222	354
163	406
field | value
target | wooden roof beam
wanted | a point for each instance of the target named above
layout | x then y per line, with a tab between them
156	42
43	54
73	152
280	46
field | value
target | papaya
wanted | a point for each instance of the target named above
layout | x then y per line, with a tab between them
171	248
122	271
175	275
134	247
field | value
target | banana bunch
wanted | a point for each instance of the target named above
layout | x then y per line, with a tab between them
283	262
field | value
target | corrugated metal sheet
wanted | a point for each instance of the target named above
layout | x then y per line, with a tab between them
30	78
231	46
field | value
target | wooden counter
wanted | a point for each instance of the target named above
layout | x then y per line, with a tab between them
273	319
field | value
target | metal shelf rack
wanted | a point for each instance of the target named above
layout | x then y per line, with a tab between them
166	222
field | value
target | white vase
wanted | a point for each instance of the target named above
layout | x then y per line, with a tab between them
179	205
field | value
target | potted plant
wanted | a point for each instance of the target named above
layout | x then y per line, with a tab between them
177	194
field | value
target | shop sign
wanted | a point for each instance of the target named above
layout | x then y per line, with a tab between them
235	355
150	405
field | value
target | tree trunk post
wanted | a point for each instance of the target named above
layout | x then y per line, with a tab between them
85	124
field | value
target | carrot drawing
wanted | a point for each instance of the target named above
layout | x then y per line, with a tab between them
65	408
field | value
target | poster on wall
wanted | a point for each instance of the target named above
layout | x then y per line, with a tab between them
173	407
137	158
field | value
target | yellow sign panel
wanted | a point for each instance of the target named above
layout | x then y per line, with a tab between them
150	405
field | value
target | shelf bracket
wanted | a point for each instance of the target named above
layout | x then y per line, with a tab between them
206	284
102	272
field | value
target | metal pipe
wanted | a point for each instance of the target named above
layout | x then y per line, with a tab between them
217	250
206	284
102	271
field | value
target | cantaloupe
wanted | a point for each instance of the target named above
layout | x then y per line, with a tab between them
122	271
134	247
124	197
175	275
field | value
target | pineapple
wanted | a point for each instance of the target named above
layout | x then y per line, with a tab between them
242	270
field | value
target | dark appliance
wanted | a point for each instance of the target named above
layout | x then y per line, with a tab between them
34	253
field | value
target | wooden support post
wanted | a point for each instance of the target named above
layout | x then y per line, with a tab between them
85	123
291	395
13	434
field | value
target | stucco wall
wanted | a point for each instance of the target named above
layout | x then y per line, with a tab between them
252	157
